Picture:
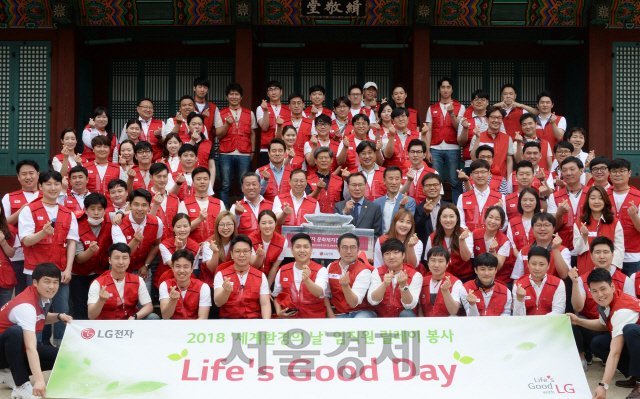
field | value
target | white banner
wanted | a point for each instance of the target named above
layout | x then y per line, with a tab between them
465	357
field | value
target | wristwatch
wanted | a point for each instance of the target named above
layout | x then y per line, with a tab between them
135	316
605	386
120	213
405	288
59	316
147	265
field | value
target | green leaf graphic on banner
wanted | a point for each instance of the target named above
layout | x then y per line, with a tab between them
184	353
508	357
526	346
466	360
143	387
112	386
175	357
456	355
87	361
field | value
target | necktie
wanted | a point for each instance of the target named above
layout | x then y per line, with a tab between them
356	213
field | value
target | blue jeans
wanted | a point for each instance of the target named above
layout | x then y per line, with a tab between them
359	314
450	158
629	268
407	313
240	164
59	304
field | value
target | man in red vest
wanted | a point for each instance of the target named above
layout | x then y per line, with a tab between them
49	232
165	204
20	320
355	96
205	108
366	151
184	296
73	200
184	175
486	296
247	210
396	150
298	119
239	290
395	287
597	172
267	114
300	286
550	127
178	124
326	187
493	137
116	294
346	155
513	110
473	204
201	207
236	130
399	95
495	181
291	207
539	293
139	176
91	251
370	94
543	182
317	108
151	128
528	124
274	176
102	170
412	175
441	291
476	123
119	200
619	314
349	280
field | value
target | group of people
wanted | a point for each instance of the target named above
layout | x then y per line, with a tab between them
536	226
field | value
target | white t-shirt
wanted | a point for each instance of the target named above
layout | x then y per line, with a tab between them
322	279
143	294
620	318
264	286
360	285
205	294
25	315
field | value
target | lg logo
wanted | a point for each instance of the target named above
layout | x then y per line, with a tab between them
88	333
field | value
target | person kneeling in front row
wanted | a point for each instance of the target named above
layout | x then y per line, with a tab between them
183	296
486	296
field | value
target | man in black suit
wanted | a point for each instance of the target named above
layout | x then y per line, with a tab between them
426	213
366	214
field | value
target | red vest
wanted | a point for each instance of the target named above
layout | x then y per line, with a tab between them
297	162
238	135
30	296
209	120
204	149
547	132
543	305
207	227
60	159
150	232
325	111
330	196
97	184
457	267
511	122
535	183
243	302
17	200
52	248
494	183
348	129
273	189
152	139
415	188
631	235
167	216
391	304
479	247
72	204
276	246
353	161
498	298
333	146
500	147
170	244
511	202
585	263
310	307
267	136
138	181
413	119
637	284
622	301
304	133
590	310
525	259
442	128
473	216
116	308
183	132
400	156
520	238
99	261
337	294
187	307
308	206
569	218
544	151
377	188
466	150
184	191
439	308
88	154
248	222
7	274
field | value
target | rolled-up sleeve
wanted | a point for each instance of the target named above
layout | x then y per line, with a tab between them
618	246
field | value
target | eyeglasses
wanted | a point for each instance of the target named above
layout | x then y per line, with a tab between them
355	94
434	185
543	226
600	169
226	225
416	152
273	89
479	100
322	125
486	157
563	153
352	248
144	152
148	108
480	172
294	182
619	172
242	251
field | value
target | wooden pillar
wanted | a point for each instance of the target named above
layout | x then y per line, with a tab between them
421	72
64	86
599	93
244	64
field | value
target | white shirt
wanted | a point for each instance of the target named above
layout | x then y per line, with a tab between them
143	294
619	200
275	110
557	306
166	254
25	315
207	253
560	122
205	294
618	243
620	318
414	288
486	296
322	280
429	119
144	135
102	169
308	148
202	203
277	205
574	200
118	236
387	211
360	284
6	205
170	124
379	261
503	250
264	286
367	111
79	197
57	165
265	247
582	156
518	267
253	208
481	198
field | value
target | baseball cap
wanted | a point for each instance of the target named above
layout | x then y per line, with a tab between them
370	84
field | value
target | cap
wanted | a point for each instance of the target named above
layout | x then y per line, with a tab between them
370	84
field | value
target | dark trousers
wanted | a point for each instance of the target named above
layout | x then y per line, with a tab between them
629	363
584	336
78	295
568	286
264	159
12	355
22	285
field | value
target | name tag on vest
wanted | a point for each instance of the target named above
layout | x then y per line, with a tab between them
517	233
593	234
87	242
525	257
40	317
40	218
469	202
527	297
192	210
285	279
512	205
90	171
135	179
128	237
16	201
334	276
478	248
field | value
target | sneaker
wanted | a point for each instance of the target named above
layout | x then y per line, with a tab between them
589	357
6	378
585	365
25	391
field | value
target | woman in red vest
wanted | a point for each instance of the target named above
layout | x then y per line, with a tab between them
521	231
99	125
8	235
170	157
66	160
198	139
133	128
459	243
538	293
386	123
403	228
215	250
597	220
268	246
181	226
293	160
490	239
184	296
126	152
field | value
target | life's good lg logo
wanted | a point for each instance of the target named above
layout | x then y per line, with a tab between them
548	385
88	333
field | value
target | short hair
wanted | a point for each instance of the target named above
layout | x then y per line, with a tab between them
200	169
240	238
320	150
445	79
295	171
530	144
532	191
48	175
481	148
620	163
274	83
356	175
301	236
192	115
141	192
524	164
120	247
183	253
390	169
67	130
526	116
158	167
563	144
576	129
102	140
440	252
511	85
544	93
142	100
599	160
296	95
349	235
419	142
478	164
392	244
95	199
479	94
201	81
187	148
340	100
117	183
141	145
400	85
364	145
79	169
539	251
572	159
398	111
247	175
544	216
503	216
493	109
187	97
233	87
46	269
431	175
27	162
599	275
315	88
322	118
357	117
601	240
485	259
355	86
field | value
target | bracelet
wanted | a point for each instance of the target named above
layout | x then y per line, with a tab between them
179	183
587	171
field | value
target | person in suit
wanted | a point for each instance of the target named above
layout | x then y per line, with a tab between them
393	200
366	214
425	223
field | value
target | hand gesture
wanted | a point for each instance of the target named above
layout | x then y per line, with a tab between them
345	142
287	209
476	131
590	157
123	162
499	203
291	153
92	123
388	279
450	108
392	132
404	201
402	278
501	104
557	241
314	141
306	272
179	118
545	190
65	184
157	133
414	240
345	280
131	173
138	236
632	210
214	248
379	145
345	174
206	113
78	159
66	152
127	208
465	234
265	105
462	175
178	242
227	285
563	208
584	230
520	293
93	247
541	175
203	214
446	284
493	246
229	121
471	298
553	118
560	182
425	128
48	229
239	208
465	123
518	137
157	199
104	294
280	121
348	206
411	174
181	178
260	251
428	207
321	184
116	220
573	274
173	294
266	175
